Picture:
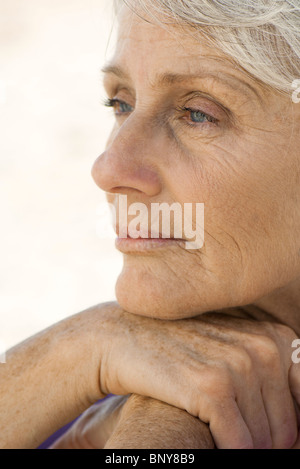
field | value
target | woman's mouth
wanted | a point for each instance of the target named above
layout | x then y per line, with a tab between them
146	243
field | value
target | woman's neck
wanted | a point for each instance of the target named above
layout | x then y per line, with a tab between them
283	306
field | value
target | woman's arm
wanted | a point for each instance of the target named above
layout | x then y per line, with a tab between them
48	381
136	423
145	423
220	370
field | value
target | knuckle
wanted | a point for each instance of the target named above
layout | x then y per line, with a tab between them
210	389
215	407
279	332
240	361
285	333
265	349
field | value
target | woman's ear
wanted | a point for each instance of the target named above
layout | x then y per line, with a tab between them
296	92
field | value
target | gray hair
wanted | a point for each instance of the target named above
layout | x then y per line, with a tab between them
262	36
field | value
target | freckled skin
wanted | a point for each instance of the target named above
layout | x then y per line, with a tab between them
236	149
244	166
245	169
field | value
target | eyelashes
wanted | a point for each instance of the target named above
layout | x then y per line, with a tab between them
109	102
197	117
123	107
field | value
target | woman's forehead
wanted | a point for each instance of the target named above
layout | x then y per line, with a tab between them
143	34
143	45
164	56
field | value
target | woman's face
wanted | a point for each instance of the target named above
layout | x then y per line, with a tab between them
193	128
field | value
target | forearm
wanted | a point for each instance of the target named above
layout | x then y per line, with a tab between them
145	423
47	381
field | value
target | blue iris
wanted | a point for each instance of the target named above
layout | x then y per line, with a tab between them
199	117
124	107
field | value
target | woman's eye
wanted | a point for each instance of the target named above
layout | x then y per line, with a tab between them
120	107
199	117
192	116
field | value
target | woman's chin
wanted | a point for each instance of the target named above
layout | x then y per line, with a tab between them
146	294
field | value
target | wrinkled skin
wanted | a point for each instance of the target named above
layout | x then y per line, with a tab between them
232	373
244	167
141	423
241	159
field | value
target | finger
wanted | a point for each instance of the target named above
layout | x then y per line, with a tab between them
297	409
297	444
294	381
254	414
281	414
229	429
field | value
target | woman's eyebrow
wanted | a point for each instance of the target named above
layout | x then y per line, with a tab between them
115	70
168	78
235	84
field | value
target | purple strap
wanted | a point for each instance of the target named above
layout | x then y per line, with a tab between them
63	430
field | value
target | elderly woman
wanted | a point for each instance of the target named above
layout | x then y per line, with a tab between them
205	96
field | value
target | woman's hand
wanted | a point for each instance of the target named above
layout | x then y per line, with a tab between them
231	373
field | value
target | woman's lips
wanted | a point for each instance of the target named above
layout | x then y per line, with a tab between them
143	241
130	245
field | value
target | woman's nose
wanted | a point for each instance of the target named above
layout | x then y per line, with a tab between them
127	164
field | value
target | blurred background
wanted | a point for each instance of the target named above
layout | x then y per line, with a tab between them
53	127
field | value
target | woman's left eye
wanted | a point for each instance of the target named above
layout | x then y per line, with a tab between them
119	106
199	117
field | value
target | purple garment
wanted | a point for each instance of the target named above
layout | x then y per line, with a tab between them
62	431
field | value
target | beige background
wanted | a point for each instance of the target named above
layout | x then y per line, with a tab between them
53	126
